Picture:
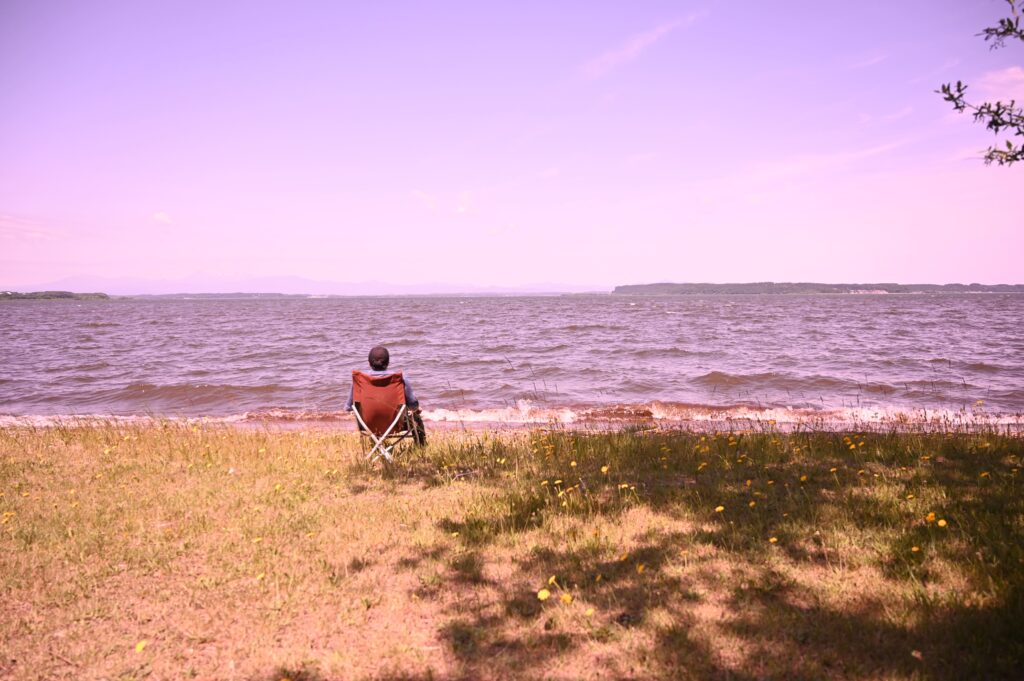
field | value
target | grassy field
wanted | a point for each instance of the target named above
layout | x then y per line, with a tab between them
177	551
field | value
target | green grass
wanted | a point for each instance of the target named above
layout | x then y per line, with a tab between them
238	553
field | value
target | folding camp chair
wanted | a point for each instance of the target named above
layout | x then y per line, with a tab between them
383	417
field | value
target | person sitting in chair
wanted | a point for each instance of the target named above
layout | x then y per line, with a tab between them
379	359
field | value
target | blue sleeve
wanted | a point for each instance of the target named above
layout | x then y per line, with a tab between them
410	398
348	405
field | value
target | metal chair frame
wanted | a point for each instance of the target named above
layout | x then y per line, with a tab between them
383	445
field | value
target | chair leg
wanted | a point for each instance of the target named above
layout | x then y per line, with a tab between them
379	442
385	450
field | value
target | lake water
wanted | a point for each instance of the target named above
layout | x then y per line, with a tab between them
521	359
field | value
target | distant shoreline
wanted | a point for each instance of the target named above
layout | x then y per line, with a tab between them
52	295
768	287
659	289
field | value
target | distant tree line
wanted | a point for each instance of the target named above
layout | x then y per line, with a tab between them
52	295
766	287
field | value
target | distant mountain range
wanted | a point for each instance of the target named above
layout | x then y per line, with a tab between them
666	289
288	285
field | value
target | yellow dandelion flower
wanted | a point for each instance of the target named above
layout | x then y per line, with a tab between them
833	469
773	540
455	534
543	483
543	595
752	504
942	522
141	645
915	549
985	474
558	482
566	598
598	578
640	568
853	446
861	472
573	464
589	612
771	482
803	478
552	579
719	509
257	540
930	517
749	483
604	469
909	497
624	557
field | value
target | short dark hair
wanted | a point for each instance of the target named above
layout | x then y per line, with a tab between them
379	358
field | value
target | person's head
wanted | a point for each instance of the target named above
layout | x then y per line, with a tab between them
379	358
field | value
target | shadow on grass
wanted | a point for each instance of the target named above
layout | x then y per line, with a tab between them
790	635
286	673
806	491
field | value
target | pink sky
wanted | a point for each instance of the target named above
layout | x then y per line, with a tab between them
485	144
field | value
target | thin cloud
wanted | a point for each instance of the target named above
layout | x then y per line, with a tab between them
868	61
1004	85
163	218
463	201
633	47
796	166
13	228
935	73
895	116
425	198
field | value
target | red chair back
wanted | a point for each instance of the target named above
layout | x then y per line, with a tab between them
378	399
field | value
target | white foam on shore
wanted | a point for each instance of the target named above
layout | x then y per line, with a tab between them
523	412
527	413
